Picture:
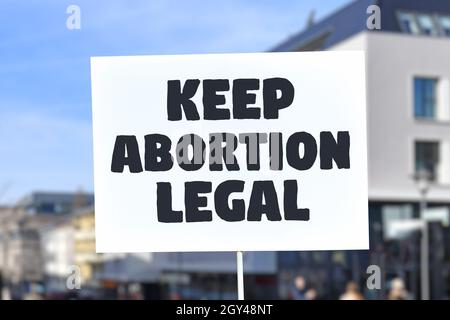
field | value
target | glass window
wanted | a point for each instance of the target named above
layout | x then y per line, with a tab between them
445	24
408	23
425	98
47	207
392	214
427	157
427	25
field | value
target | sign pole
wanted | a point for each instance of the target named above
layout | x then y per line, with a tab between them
240	274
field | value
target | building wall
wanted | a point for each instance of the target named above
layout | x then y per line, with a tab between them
84	245
392	61
57	244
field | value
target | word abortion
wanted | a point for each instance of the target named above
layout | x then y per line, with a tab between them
222	147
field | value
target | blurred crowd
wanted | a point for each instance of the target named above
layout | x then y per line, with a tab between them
303	290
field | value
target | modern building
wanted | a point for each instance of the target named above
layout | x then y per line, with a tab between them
408	119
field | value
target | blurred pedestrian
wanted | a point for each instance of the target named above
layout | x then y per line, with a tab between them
32	296
299	288
398	290
311	294
351	292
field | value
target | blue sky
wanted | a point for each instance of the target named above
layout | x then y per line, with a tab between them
45	106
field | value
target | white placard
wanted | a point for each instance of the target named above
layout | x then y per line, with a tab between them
315	100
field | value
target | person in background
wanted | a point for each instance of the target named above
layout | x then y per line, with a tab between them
351	292
398	290
311	294
299	288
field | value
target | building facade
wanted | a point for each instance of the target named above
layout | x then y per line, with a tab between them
57	251
408	113
35	242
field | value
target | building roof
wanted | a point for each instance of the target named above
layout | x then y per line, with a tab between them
56	202
352	19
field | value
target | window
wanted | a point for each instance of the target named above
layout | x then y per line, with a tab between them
408	23
427	157
425	100
391	215
445	25
47	207
427	25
